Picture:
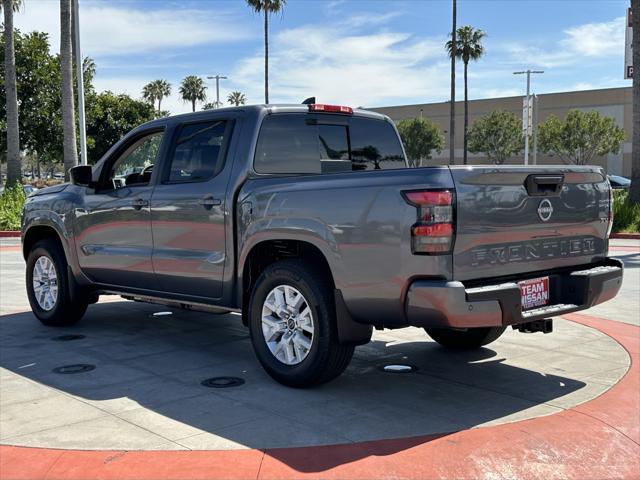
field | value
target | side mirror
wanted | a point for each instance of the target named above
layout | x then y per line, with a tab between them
81	175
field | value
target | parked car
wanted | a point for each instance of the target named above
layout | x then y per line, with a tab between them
306	219
619	183
28	189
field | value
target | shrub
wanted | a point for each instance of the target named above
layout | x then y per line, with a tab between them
626	216
11	203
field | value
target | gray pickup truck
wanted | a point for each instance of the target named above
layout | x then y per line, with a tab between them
306	219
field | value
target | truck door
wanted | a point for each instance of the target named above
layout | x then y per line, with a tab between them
113	227
188	210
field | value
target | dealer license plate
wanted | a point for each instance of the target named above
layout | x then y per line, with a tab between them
534	292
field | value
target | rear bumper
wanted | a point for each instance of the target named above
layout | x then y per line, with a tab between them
442	304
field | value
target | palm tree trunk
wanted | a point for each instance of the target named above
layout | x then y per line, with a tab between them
452	113
634	191
193	105
159	104
466	112
70	149
14	164
266	56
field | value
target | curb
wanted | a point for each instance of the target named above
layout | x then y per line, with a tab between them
9	233
626	236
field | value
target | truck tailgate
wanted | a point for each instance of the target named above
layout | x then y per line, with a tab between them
514	220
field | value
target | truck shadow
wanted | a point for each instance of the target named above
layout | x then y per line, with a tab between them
158	362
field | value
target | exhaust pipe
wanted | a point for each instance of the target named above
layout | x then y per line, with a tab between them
544	326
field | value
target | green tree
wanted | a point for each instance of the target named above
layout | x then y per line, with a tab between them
14	163
156	91
266	7
237	98
498	135
193	89
581	137
69	143
420	138
38	78
634	191
468	46
110	117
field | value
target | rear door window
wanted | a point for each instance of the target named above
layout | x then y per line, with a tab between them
302	143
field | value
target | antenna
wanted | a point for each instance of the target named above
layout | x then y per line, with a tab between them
309	101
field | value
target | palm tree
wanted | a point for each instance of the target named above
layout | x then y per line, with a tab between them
467	47
156	90
69	145
634	191
237	98
14	162
266	6
192	89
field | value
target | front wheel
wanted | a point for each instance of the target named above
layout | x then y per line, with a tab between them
48	286
467	339
293	326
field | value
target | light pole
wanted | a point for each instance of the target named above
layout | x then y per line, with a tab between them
525	125
217	78
80	78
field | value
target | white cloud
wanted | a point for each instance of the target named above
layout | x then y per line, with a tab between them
356	69
113	30
596	39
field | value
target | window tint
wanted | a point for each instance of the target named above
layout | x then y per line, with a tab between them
287	144
135	165
197	152
297	143
374	145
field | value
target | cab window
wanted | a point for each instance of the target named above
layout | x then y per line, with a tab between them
135	165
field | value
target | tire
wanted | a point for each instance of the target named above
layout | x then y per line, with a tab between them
284	357
57	309
468	339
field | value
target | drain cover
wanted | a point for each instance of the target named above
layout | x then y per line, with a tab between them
67	338
397	368
222	382
79	368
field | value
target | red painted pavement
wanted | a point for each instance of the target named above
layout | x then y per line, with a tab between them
595	440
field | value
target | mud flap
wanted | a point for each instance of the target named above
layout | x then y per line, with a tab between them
350	332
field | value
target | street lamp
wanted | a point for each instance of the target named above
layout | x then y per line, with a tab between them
217	78
526	117
80	79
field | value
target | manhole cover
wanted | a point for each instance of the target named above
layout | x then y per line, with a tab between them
222	382
398	368
67	338
79	368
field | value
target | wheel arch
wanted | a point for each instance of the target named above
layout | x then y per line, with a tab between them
266	252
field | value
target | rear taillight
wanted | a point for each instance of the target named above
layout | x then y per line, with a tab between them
433	232
610	216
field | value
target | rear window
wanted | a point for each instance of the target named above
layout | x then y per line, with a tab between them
303	143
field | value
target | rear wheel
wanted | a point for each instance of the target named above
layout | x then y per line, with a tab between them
466	339
48	286
293	326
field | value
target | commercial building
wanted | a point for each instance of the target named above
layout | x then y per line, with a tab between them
612	102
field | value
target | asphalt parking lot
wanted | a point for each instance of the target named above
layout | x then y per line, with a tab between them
144	390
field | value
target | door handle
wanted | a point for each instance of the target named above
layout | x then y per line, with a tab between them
209	202
138	203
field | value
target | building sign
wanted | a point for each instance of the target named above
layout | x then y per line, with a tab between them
628	47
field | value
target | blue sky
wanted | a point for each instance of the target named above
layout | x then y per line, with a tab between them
353	52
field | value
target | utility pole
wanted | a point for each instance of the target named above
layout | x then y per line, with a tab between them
525	124
217	78
535	129
452	112
80	80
